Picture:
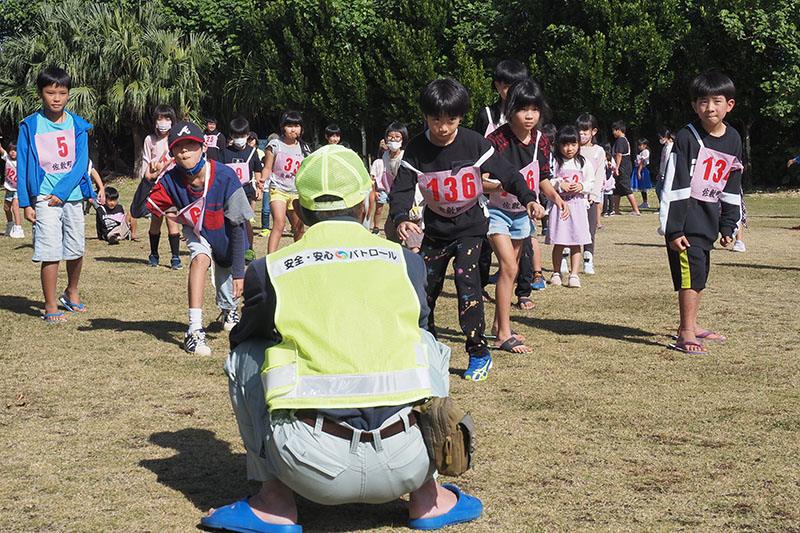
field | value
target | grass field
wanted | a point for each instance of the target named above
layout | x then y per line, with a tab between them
107	425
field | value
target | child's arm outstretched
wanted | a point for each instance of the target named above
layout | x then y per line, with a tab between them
793	161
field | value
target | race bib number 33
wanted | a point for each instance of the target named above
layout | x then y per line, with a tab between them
56	151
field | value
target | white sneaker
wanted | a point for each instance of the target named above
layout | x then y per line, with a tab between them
195	343
574	281
230	318
739	246
18	233
9	227
565	260
588	263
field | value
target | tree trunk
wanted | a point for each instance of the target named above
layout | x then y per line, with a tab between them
138	144
747	171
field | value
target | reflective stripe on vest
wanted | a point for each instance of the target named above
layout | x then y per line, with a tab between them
339	349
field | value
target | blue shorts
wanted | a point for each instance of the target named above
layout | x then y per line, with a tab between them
59	231
10	195
382	198
516	225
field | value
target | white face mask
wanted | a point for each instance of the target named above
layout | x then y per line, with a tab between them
662	140
163	126
394	145
239	142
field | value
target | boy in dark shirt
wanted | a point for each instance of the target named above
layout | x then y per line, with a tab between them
110	219
701	200
244	160
447	162
621	154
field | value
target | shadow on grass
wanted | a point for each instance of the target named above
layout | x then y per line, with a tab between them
594	329
204	469
759	267
20	304
163	330
641	244
114	259
209	475
22	246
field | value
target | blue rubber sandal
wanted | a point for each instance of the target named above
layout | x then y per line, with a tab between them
54	318
240	517
69	306
467	508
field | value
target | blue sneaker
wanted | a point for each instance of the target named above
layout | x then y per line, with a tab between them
478	369
538	282
175	263
152	261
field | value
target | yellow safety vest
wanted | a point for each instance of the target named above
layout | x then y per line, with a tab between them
349	319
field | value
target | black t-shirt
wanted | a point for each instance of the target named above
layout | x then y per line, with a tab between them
465	150
701	222
104	222
233	155
215	153
622	146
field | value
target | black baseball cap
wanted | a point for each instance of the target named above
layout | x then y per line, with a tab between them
185	130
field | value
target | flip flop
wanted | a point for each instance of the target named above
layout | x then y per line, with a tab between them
681	346
510	343
525	301
706	336
54	318
69	306
240	517
493	336
466	508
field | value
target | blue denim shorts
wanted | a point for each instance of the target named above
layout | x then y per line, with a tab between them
59	231
383	197
516	225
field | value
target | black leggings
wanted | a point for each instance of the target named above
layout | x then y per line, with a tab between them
465	252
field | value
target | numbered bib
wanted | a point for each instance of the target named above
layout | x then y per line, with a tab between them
507	201
56	151
242	171
211	140
285	168
10	177
192	215
491	126
568	176
119	218
450	195
711	172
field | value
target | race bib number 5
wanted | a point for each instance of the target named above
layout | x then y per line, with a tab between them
56	151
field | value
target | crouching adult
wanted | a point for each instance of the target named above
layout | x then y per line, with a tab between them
323	375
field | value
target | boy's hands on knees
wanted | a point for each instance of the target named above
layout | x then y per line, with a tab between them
680	244
535	210
30	214
725	241
238	287
406	228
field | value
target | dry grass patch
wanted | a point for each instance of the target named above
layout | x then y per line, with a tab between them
108	425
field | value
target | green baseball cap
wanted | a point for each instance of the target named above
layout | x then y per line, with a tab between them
336	171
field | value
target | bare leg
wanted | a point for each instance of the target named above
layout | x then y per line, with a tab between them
298	228
133	221
430	500
49	277
632	200
7	209
574	259
278	222
558	250
508	252
689	303
197	280
18	218
274	503
377	218
74	267
537	254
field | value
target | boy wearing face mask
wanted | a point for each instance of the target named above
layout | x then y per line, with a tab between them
156	160
244	160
